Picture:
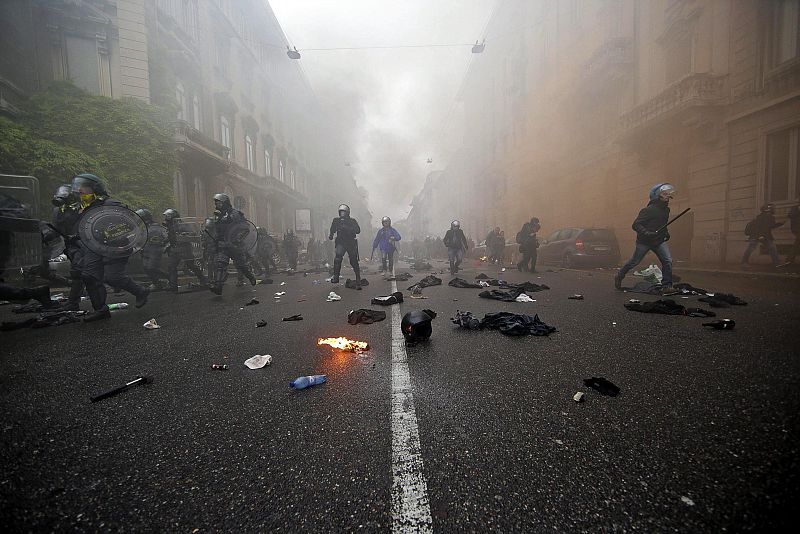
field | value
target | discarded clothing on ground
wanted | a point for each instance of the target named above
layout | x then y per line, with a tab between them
648	288
509	324
298	317
602	385
252	302
523	297
505	296
527	287
388	300
402	277
365	316
56	318
460	282
481	277
422	266
33	307
668	307
351	284
261	323
428	281
723	300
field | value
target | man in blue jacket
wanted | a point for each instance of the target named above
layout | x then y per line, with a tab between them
652	235
385	241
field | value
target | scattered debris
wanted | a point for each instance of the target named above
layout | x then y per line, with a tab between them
219	366
483	283
279	294
253	302
668	307
261	323
416	293
283	283
402	277
258	361
602	385
687	501
110	393
151	325
578	397
428	281
460	282
388	300
576	297
298	317
523	297
365	316
304	382
509	324
333	297
722	324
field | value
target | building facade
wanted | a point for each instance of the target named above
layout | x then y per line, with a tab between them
248	123
576	108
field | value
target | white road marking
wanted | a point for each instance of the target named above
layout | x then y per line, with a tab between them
411	510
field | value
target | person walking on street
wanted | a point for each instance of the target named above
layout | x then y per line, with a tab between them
528	245
291	247
760	229
652	235
457	246
346	229
385	241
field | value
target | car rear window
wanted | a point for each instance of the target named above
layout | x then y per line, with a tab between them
601	234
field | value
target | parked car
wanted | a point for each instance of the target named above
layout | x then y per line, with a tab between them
575	247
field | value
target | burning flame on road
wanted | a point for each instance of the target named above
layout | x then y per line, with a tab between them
342	343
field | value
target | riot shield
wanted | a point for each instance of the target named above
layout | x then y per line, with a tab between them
20	235
244	233
156	235
189	230
112	231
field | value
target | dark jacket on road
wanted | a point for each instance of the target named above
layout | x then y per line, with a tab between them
346	230
763	225
649	221
455	238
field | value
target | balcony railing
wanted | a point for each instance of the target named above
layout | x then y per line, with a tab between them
693	91
185	134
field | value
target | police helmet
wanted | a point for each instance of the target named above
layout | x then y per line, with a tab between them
91	181
455	224
62	195
145	215
386	221
416	325
344	208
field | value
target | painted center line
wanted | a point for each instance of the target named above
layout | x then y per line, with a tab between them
411	510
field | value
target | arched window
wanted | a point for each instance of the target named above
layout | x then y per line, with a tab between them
180	97
292	182
267	162
250	153
281	175
196	112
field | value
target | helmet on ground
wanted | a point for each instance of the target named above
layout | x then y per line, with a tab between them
62	195
344	208
83	181
145	215
416	325
171	214
386	221
662	189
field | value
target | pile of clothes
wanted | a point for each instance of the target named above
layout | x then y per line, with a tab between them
56	318
668	307
460	282
509	324
428	281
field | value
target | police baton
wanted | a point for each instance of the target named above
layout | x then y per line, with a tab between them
678	216
110	393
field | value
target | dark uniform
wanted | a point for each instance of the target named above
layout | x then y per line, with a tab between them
94	268
291	247
179	252
154	249
65	220
264	251
231	228
457	246
529	245
208	243
346	230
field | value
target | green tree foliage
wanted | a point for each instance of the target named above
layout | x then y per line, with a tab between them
65	131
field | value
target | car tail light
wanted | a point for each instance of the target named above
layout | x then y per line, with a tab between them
579	245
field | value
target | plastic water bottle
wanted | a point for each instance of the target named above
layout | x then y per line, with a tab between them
304	382
118	306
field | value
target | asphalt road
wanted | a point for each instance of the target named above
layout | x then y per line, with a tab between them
703	437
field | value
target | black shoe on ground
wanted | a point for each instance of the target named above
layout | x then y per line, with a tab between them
102	313
141	299
335	280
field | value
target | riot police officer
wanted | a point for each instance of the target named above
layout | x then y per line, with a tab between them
265	249
65	219
346	229
179	252
154	249
94	268
231	228
208	243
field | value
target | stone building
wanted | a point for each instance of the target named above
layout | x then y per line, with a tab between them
576	108
248	123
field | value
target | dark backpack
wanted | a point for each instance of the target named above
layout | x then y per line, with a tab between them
749	230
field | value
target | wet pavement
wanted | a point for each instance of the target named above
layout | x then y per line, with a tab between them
703	436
